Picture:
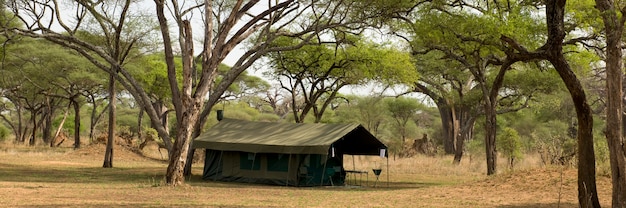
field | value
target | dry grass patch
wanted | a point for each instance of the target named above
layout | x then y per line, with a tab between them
74	178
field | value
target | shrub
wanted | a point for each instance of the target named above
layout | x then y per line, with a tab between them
509	144
475	147
4	133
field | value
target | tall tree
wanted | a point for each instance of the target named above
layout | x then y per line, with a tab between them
314	74
472	47
221	35
402	110
612	13
454	94
553	52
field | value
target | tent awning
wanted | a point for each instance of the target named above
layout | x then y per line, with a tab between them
289	138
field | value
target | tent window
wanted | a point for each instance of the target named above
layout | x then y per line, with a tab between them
247	159
278	162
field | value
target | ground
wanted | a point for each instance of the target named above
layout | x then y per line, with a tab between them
63	177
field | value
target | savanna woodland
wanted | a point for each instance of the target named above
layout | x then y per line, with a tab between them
481	87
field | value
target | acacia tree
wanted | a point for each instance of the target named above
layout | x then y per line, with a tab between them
34	76
314	74
512	52
402	110
552	51
472	74
451	89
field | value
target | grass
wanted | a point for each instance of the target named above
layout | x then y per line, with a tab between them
64	177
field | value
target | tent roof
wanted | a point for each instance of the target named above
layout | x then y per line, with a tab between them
289	138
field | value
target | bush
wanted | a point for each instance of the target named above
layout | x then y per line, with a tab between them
509	144
4	133
554	145
475	147
602	156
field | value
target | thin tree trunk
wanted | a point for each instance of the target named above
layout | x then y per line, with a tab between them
108	156
490	138
76	124
140	124
31	141
95	117
19	134
46	126
56	134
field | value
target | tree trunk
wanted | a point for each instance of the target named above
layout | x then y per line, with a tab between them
53	142
19	132
140	124
490	137
613	27
93	120
47	115
187	115
447	125
108	156
466	131
163	112
178	158
76	124
95	117
31	141
587	192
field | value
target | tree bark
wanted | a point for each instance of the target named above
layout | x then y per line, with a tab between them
448	131
76	124
108	155
191	107
466	131
613	29
47	115
587	193
31	141
490	137
140	125
53	142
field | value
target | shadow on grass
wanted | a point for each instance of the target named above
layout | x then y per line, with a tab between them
64	174
140	205
549	205
196	180
10	172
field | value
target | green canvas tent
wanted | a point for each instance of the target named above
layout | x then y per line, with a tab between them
283	153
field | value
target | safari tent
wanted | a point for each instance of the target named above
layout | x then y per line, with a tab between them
283	153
